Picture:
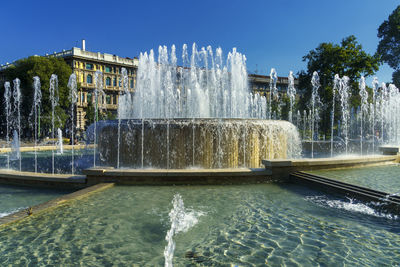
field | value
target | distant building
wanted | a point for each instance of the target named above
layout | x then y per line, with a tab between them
84	64
260	84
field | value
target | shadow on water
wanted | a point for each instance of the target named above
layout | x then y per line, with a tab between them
349	209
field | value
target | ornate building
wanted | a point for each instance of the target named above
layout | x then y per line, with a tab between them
84	64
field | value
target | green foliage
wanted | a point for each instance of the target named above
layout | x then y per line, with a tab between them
102	114
346	59
25	70
389	45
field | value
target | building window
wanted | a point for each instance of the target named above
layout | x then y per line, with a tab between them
82	97
108	81
89	79
115	81
131	83
89	66
108	69
108	99
89	97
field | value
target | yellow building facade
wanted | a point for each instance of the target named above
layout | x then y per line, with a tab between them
85	64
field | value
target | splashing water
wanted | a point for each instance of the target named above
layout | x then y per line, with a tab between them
98	95
203	87
15	147
73	97
37	99
350	205
124	82
345	105
364	108
60	147
291	92
17	119
336	85
7	105
314	112
181	221
54	97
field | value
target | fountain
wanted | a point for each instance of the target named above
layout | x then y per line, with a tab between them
181	221
291	92
60	146
273	90
344	102
15	147
364	108
375	88
17	117
7	103
336	85
54	97
37	98
314	101
98	93
73	97
124	83
200	116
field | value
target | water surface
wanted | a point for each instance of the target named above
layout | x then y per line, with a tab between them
247	225
382	178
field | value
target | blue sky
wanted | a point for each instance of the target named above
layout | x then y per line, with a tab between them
270	33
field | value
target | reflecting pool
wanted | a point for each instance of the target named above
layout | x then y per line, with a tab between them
246	225
83	159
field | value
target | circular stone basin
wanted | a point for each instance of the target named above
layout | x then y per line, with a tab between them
205	143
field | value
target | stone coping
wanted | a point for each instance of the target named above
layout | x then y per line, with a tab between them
39	209
283	167
105	171
45	148
176	176
42	179
330	162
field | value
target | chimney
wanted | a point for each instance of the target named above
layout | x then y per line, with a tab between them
83	45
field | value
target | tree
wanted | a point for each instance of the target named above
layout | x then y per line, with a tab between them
328	59
389	45
25	70
102	114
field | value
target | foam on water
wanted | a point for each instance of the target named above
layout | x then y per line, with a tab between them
4	214
350	205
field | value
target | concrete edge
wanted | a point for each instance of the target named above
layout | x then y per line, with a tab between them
39	209
178	177
42	179
283	168
328	161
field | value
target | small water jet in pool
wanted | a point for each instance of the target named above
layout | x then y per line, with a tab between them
60	146
7	104
15	147
54	97
37	98
17	118
181	221
73	97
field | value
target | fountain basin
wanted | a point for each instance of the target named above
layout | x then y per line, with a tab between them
200	143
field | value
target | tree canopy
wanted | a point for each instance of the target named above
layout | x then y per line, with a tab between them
346	59
389	44
25	70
